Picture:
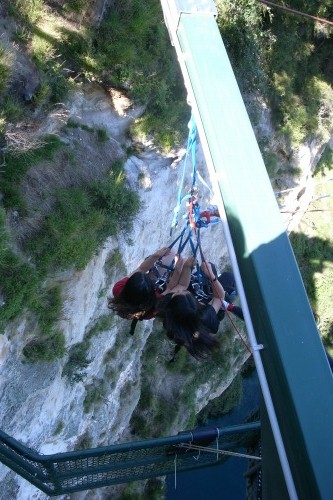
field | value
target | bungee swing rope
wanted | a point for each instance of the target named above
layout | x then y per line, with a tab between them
225	309
190	152
190	446
193	222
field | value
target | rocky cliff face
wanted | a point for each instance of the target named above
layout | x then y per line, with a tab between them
88	401
70	403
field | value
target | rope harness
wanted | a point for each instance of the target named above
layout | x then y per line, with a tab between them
201	285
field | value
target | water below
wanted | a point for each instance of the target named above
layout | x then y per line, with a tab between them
225	481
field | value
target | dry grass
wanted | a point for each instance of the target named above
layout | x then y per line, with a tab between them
21	141
84	160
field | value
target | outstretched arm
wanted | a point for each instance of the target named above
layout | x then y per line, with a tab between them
218	290
185	277
174	280
148	263
181	275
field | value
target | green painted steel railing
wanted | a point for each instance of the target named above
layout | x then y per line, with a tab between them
87	469
293	370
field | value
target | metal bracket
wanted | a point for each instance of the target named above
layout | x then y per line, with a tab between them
258	347
194	6
173	9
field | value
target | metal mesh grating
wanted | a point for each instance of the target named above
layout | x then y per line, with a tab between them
80	470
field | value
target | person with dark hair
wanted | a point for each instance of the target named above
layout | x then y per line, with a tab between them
187	322
134	296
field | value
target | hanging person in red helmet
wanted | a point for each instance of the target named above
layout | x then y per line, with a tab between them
135	296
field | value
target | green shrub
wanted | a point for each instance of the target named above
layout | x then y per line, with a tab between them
5	67
77	6
114	261
165	414
132	48
224	403
78	354
182	363
22	288
47	305
247	43
29	11
71	232
2	124
19	284
131	492
11	109
45	349
313	252
3	237
326	161
22	34
82	219
318	97
147	400
43	94
270	160
153	416
103	324
94	395
312	255
84	442
59	428
76	47
77	361
102	135
114	199
47	57
17	164
155	489
297	67
283	59
72	123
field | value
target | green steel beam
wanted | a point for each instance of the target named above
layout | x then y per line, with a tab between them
294	361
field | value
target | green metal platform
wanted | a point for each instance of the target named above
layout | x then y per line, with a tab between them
88	469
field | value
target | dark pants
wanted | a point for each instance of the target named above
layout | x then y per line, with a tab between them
227	280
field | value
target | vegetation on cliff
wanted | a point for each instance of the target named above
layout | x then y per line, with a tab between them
51	48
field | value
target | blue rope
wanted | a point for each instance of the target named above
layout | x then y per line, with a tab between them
190	151
191	148
183	241
178	237
195	250
192	141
